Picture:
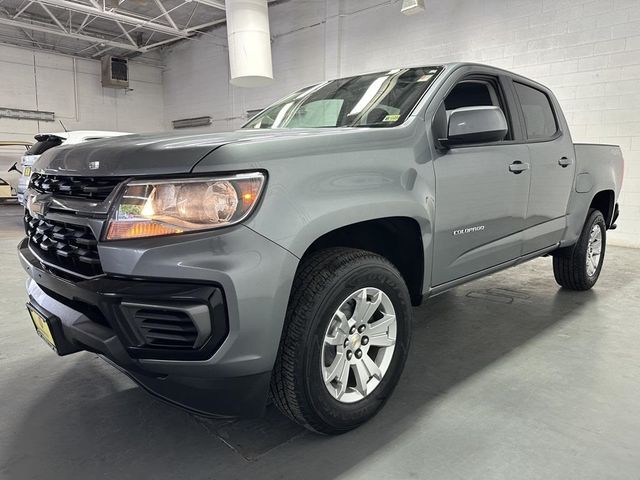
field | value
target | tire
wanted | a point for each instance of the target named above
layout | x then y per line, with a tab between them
570	264
324	284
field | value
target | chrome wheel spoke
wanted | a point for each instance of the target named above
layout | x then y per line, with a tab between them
381	340
381	325
371	367
591	267
343	380
364	308
344	322
335	369
362	377
337	339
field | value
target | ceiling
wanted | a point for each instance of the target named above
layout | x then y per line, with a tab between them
91	28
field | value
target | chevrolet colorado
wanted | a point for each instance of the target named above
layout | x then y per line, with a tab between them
280	261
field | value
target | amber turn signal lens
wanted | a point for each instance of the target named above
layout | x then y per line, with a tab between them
121	231
249	190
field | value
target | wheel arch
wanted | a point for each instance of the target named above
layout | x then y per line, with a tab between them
604	201
398	239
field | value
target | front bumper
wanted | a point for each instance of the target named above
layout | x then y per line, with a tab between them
230	374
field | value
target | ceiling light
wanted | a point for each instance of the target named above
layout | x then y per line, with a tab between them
411	7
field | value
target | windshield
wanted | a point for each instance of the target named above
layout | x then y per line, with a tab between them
44	143
382	99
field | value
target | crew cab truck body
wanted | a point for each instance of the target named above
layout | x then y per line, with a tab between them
297	284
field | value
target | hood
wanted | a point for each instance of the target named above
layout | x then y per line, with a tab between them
131	155
155	154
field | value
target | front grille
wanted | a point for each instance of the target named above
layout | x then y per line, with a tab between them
94	188
166	328
70	247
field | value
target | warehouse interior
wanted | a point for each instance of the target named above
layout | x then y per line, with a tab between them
586	51
508	376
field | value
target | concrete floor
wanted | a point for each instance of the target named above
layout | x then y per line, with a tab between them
508	377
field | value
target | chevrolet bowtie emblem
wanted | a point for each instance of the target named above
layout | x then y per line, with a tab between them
94	165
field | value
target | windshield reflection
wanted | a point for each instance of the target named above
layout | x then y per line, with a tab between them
381	99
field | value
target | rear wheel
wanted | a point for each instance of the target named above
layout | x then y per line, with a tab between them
345	340
578	267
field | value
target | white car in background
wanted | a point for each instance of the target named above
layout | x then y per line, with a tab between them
11	151
45	141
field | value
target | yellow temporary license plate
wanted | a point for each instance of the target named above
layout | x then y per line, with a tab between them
42	327
27	171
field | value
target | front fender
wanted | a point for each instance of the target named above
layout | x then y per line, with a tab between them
295	214
327	179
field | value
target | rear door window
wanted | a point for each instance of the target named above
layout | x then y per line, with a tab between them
539	118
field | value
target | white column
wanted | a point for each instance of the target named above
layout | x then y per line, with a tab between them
249	43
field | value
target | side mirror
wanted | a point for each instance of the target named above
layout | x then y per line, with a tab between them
475	125
14	167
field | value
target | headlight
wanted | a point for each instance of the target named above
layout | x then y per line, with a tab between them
149	208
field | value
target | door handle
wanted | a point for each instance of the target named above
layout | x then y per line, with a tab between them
518	167
565	162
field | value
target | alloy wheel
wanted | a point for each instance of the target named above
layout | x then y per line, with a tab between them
594	250
358	345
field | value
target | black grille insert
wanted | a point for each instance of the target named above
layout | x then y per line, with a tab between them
94	188
70	247
166	328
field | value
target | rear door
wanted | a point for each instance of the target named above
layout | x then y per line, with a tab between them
552	166
480	203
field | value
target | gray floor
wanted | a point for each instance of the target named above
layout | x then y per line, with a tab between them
508	377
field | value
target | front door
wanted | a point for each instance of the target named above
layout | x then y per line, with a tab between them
481	202
480	209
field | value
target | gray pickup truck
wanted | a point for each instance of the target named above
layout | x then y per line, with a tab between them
281	261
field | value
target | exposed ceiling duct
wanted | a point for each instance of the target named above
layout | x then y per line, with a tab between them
249	42
91	28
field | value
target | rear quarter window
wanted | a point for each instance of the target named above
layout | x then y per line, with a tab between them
539	119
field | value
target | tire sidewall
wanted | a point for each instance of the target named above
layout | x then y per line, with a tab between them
345	416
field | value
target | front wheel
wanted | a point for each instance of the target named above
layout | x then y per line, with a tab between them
345	340
578	267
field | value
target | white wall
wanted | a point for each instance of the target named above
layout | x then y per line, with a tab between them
587	51
36	80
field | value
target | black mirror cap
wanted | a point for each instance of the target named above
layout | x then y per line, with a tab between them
488	136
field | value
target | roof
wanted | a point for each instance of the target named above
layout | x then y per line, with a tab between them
455	65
